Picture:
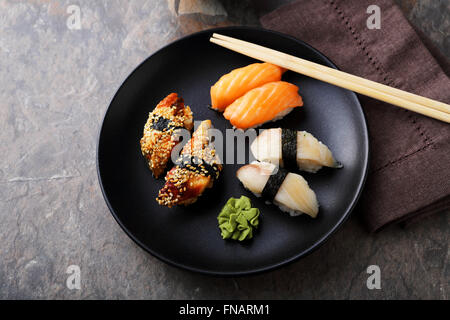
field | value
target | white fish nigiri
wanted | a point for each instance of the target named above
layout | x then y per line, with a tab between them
275	145
289	191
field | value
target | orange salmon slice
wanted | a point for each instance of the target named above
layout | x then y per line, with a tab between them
262	104
235	84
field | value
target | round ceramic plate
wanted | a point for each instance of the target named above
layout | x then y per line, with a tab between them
189	237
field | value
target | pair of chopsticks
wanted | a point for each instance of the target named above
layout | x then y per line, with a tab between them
428	107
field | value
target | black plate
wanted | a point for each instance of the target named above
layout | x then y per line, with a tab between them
189	237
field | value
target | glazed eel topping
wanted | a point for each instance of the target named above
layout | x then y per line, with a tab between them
159	136
195	170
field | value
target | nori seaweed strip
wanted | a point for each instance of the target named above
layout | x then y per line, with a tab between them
273	184
289	148
198	165
163	124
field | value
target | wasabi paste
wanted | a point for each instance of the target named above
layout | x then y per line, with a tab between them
238	219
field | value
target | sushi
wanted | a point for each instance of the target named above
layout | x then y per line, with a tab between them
291	148
236	83
289	191
269	102
196	169
159	137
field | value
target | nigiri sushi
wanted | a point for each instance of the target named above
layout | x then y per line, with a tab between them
236	83
158	139
289	191
195	170
291	148
268	102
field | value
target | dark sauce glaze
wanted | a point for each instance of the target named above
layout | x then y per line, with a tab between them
163	124
198	165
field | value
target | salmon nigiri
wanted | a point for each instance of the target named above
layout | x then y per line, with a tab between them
269	102
236	83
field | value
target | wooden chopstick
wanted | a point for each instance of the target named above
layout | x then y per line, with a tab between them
410	101
372	84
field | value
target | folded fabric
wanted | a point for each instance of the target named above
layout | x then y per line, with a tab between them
409	173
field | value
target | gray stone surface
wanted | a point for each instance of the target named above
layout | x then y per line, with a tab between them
432	17
55	85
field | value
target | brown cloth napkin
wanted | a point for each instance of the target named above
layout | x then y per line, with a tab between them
409	173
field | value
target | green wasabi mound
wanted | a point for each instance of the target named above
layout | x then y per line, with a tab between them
238	219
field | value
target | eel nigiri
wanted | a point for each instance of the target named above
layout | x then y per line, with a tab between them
236	83
289	191
291	148
268	102
158	139
196	169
